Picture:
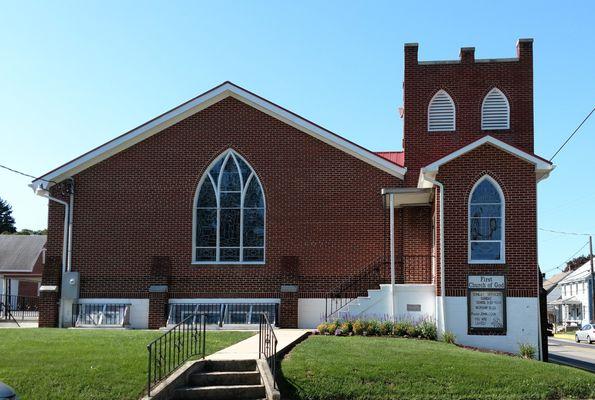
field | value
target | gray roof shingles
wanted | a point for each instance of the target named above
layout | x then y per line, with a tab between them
18	253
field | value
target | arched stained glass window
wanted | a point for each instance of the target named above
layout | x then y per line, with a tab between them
229	213
486	222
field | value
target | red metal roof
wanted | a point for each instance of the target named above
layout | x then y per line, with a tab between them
397	157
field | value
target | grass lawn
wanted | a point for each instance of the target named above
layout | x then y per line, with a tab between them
328	367
83	364
564	335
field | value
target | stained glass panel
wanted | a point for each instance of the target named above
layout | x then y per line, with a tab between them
205	254
485	192
244	169
229	254
253	254
206	196
253	197
229	227
230	177
206	227
253	227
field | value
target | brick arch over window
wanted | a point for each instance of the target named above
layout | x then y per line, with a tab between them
486	222
441	113
495	111
229	213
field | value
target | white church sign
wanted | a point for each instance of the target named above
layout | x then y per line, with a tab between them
486	303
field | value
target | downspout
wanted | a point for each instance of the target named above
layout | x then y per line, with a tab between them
442	285
391	203
70	211
66	239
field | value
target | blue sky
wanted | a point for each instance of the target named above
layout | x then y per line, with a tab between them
75	74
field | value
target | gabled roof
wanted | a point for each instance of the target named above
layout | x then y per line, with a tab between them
397	157
199	103
580	274
19	253
550	283
542	166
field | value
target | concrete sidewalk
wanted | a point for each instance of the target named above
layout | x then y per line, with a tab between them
248	349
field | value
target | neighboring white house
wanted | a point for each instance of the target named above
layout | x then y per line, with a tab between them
554	293
575	302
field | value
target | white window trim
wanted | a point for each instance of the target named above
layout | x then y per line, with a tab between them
225	156
495	89
502	241
454	107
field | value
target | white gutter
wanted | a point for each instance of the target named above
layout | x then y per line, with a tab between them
442	285
67	215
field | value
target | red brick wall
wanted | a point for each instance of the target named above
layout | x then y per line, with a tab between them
323	206
467	82
517	180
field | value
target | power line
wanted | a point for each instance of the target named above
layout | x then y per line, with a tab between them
24	174
568	259
567	233
575	131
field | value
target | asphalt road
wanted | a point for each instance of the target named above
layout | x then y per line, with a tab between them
580	355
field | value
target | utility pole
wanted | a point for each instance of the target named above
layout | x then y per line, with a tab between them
592	279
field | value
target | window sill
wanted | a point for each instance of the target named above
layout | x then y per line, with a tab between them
220	263
487	262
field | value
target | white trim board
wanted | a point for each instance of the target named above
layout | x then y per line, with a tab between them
199	103
542	167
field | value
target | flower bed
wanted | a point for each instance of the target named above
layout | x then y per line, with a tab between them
422	329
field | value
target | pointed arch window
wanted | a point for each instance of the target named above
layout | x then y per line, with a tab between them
495	111
441	113
229	213
486	222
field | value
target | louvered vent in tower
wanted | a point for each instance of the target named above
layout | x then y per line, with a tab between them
441	113
495	111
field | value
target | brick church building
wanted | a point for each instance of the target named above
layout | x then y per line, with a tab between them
231	205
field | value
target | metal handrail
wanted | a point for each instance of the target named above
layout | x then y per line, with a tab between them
170	350
16	306
267	345
409	269
356	285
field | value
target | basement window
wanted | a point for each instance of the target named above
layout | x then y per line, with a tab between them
223	313
101	315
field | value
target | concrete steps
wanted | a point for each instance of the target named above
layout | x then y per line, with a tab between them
224	380
371	305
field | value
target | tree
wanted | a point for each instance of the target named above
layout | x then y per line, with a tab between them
32	232
6	219
575	263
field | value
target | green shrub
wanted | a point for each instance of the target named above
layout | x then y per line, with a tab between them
358	327
412	331
332	327
401	328
449	337
527	351
322	328
346	328
427	330
373	328
386	328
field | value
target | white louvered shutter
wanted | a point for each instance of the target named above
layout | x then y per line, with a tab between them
441	113
495	111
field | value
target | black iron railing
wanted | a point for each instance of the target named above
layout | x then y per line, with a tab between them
267	345
176	346
408	269
224	313
18	307
371	276
102	314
